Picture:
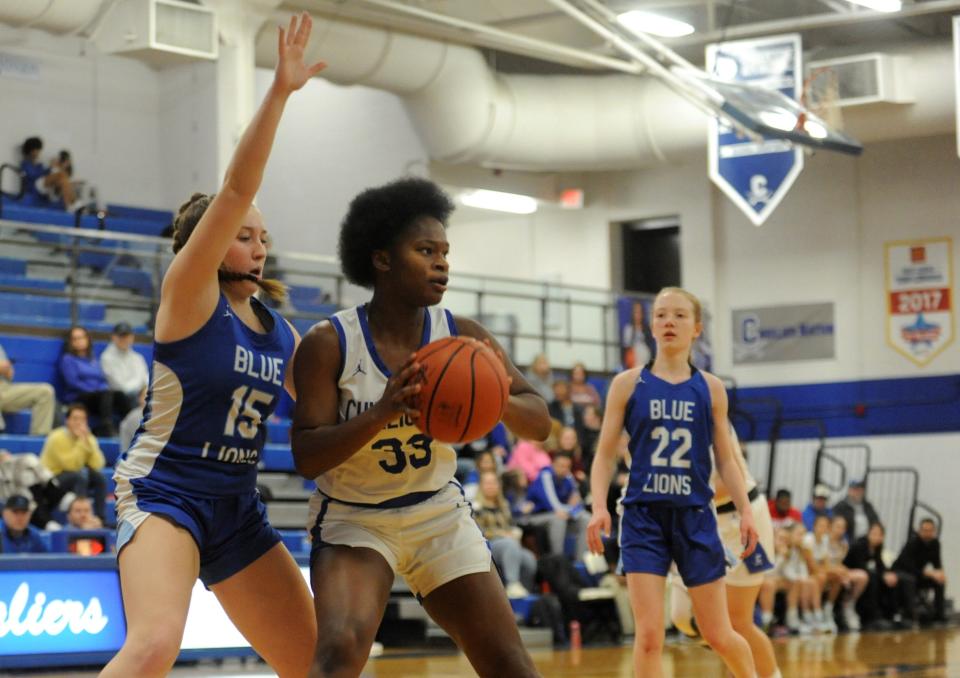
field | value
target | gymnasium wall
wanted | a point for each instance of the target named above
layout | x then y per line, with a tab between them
105	109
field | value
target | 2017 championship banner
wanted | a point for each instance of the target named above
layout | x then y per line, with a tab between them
919	279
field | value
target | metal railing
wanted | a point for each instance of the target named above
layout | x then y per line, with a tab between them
567	322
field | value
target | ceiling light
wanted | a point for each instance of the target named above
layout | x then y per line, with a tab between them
654	24
880	5
499	201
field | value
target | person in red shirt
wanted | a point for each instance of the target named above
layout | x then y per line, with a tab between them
782	510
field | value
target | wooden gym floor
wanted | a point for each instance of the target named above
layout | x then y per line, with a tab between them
927	654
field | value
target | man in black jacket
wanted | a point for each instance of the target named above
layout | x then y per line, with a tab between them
920	559
887	592
858	512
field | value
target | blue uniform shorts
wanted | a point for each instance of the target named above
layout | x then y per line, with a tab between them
231	532
652	535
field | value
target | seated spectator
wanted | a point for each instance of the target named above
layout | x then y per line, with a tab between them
817	506
563	409
782	511
529	457
39	398
568	442
516	565
582	392
24	474
486	461
540	376
886	593
590	433
19	536
857	511
817	545
72	454
852	582
557	504
125	369
84	382
46	186
80	515
920	559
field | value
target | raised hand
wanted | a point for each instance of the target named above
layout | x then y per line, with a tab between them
292	72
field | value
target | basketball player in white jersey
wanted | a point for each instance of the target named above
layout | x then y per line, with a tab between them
744	577
387	502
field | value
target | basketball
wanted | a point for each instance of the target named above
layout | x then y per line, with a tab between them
464	389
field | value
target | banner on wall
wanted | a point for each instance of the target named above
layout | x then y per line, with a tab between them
779	333
919	297
637	346
755	175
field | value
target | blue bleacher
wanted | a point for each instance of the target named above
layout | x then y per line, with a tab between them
29	305
132	278
13	266
141	213
11	280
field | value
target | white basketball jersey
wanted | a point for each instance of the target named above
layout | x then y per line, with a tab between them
400	465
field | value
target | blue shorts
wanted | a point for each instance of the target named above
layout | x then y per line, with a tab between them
652	535
231	532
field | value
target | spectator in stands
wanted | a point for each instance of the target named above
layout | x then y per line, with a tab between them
563	409
582	392
852	582
46	186
80	515
72	454
84	382
782	511
540	376
19	536
485	461
24	474
567	441
886	593
517	565
825	575
857	511
920	559
590	433
14	397
125	369
531	456
557	503
817	506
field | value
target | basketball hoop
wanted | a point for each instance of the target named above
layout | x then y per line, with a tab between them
821	90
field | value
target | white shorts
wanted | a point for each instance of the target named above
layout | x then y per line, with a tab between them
728	524
429	543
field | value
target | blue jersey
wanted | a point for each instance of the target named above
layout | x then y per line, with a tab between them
671	433
204	424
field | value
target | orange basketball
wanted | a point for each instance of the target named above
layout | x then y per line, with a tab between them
464	389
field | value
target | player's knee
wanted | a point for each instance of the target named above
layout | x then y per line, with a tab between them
649	641
721	639
339	649
154	655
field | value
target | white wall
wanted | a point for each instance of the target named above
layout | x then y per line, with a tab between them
103	109
333	142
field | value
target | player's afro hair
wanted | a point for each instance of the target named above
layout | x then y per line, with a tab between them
378	216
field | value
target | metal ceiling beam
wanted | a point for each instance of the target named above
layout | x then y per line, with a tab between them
442	26
815	21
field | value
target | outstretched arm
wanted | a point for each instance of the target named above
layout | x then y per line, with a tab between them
192	275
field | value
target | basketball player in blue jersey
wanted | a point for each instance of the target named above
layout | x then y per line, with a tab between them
187	504
673	413
387	502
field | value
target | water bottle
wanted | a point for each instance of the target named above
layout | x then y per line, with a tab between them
575	640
